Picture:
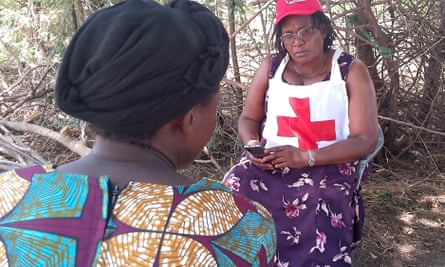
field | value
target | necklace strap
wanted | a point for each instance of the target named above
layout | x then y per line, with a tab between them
308	76
159	154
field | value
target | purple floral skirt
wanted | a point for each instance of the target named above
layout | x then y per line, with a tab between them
317	212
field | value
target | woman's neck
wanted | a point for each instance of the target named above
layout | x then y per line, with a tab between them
123	162
313	69
136	152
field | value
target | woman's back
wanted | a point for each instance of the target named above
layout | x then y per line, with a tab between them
51	219
146	77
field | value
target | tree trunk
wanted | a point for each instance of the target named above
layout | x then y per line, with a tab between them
77	14
389	63
238	92
434	77
365	52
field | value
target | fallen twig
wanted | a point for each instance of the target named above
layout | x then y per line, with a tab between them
76	146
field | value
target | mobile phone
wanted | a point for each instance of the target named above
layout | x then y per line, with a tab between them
255	150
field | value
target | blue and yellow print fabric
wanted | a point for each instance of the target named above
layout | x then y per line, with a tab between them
54	219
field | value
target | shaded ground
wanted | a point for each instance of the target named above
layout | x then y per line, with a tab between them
405	218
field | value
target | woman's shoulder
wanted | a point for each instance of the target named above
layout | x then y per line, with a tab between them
211	195
275	60
27	172
345	56
23	184
222	192
345	61
243	215
57	211
204	210
13	186
15	183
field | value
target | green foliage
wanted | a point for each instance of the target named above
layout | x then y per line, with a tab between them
27	33
53	4
68	121
11	4
385	52
240	7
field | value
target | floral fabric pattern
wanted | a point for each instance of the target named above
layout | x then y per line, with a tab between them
317	214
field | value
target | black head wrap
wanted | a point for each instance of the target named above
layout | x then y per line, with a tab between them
137	65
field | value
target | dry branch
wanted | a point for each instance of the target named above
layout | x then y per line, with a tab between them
247	22
76	146
212	160
412	125
236	84
15	154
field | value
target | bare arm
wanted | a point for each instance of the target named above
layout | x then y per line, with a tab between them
253	114
362	120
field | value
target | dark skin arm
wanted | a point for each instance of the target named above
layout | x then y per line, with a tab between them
253	114
362	116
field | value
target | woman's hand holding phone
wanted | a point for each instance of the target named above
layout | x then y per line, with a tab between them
256	150
257	153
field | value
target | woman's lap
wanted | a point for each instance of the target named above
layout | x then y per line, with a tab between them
313	209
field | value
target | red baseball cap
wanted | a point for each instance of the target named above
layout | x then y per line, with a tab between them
296	7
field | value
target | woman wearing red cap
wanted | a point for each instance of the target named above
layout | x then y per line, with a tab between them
314	109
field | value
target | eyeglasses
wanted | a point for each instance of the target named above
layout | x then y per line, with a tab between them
302	35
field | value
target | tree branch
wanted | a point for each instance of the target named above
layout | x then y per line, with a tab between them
76	146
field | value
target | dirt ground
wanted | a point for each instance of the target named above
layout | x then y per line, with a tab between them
405	217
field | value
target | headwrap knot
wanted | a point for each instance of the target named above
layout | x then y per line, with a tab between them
203	72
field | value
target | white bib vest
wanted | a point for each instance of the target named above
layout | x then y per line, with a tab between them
310	116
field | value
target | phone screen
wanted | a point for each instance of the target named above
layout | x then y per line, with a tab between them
255	150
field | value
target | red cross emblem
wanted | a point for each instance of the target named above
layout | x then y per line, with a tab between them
308	132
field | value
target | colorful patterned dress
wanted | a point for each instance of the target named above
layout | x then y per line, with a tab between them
55	219
317	213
